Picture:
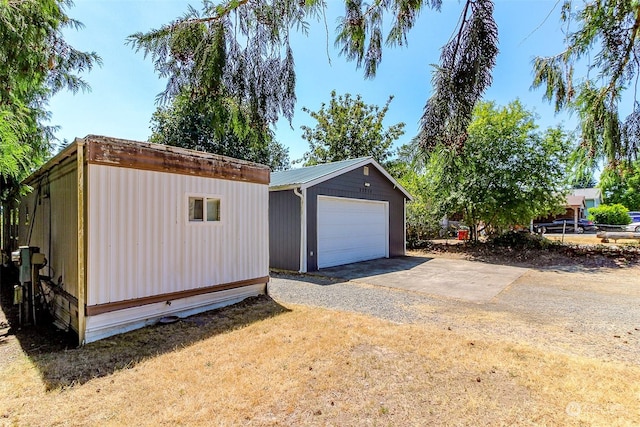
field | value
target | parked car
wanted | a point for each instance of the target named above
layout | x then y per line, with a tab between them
635	216
559	224
634	226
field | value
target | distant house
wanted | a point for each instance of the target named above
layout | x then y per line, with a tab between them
592	198
134	232
333	214
575	208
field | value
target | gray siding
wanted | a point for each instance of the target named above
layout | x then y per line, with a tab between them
351	185
284	230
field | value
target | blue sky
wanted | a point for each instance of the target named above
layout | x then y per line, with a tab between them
124	89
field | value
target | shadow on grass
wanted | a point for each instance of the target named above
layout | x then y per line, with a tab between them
62	364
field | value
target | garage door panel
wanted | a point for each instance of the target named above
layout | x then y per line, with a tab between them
351	230
363	231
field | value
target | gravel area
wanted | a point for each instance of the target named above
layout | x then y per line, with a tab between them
385	303
592	313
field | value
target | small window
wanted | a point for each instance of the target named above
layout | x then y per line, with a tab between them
204	207
213	210
196	211
366	171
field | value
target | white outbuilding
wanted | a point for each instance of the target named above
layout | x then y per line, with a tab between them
134	232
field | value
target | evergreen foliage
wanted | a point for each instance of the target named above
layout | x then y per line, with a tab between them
233	64
239	50
601	38
35	63
460	80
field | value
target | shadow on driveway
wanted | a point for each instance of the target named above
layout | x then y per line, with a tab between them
376	267
451	278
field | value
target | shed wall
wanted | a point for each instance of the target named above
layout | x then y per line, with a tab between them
141	244
351	185
52	225
284	230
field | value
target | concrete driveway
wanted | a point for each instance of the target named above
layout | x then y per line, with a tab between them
452	278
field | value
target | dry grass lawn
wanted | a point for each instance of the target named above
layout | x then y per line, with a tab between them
264	364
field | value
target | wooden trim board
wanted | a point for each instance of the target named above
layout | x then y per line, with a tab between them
103	150
94	310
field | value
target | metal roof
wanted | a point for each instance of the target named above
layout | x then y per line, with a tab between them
294	177
311	175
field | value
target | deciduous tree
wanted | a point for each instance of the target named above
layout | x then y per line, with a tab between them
622	185
349	128
198	125
507	173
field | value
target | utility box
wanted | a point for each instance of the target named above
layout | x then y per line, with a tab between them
29	260
22	259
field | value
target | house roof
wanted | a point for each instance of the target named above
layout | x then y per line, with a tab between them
575	200
588	193
312	175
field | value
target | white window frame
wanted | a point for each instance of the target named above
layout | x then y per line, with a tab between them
204	198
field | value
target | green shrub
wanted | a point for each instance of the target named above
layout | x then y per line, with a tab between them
610	214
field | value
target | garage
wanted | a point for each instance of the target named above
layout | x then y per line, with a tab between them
333	214
351	230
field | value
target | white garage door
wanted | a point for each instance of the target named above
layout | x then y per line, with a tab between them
351	230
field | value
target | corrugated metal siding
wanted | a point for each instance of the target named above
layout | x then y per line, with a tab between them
351	185
141	244
284	230
53	227
55	230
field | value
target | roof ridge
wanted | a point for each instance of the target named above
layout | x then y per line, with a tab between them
326	164
306	174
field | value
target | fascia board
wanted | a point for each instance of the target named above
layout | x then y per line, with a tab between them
349	168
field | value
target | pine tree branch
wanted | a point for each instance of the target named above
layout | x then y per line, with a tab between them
222	12
627	53
461	30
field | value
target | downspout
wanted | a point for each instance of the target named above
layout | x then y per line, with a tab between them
303	229
82	297
404	216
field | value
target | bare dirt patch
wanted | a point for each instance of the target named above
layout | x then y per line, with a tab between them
577	250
